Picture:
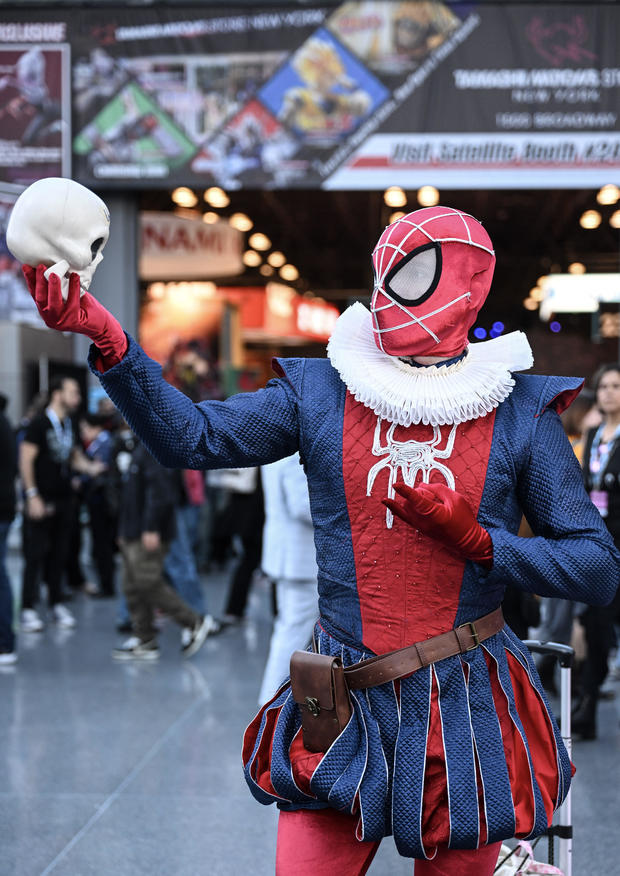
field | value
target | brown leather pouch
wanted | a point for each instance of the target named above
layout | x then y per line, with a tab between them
320	690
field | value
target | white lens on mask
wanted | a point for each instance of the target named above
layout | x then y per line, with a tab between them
61	224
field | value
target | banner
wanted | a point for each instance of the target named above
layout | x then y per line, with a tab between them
16	305
360	95
187	249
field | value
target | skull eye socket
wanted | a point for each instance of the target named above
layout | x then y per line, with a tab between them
95	245
415	277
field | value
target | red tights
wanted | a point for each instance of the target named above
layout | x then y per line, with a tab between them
322	842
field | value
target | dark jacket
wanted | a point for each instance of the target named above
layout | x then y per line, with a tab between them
8	470
149	497
610	483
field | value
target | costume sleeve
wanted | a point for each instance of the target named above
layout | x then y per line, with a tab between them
571	554
248	429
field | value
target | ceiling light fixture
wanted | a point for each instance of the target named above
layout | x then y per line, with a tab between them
184	197
609	194
251	258
216	197
276	259
590	219
241	222
259	241
289	272
428	196
395	197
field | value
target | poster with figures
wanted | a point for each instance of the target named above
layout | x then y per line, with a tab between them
35	113
352	95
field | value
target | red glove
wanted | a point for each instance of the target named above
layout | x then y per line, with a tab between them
438	511
84	315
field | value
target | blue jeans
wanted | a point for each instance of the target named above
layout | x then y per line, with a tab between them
7	636
180	563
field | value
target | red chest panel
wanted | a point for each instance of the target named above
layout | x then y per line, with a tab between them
408	584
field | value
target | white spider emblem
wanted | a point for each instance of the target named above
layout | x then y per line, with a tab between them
410	458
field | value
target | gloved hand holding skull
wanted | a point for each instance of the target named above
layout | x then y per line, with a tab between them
58	229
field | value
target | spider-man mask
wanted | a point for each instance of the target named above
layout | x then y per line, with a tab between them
432	274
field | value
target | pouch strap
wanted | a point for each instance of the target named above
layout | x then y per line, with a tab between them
404	661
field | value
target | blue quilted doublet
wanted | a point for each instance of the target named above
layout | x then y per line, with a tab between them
377	766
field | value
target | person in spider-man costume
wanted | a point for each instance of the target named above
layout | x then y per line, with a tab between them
422	453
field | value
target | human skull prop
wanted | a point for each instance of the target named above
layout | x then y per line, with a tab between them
61	224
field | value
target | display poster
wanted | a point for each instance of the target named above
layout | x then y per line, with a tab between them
16	305
35	112
362	94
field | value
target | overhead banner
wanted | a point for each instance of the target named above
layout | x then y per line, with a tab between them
358	95
187	249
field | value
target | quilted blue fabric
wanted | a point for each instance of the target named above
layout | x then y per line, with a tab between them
378	761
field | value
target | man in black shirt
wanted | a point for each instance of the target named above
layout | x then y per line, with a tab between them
47	456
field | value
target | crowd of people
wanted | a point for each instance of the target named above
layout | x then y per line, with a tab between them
65	470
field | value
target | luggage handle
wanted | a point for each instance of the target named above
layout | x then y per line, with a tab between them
564	654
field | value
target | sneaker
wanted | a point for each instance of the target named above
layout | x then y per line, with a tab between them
8	658
63	616
135	649
31	622
196	638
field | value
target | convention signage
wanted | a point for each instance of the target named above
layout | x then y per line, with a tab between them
358	95
173	246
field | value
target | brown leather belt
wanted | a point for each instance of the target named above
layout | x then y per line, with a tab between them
396	664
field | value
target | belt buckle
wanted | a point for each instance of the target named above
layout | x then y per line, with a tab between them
473	633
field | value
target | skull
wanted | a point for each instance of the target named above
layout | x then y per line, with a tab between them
62	224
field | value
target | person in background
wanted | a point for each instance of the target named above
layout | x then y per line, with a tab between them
289	560
180	564
8	472
48	456
146	528
601	465
557	614
244	516
97	444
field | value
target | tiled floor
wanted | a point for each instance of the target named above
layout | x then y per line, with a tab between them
131	769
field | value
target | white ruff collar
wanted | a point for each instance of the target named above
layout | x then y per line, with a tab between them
434	394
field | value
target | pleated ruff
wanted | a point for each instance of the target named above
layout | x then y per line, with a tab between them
460	754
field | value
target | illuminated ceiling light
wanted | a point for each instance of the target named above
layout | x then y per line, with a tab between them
266	270
276	259
259	241
184	197
614	219
576	268
537	294
428	196
396	216
289	272
395	197
251	258
609	194
205	290
216	197
530	304
241	222
210	217
542	280
590	219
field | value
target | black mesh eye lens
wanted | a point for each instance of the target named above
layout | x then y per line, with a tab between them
415	277
94	247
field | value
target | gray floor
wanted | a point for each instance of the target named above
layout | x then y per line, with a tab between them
134	769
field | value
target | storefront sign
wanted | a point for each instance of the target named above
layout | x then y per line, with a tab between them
176	248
